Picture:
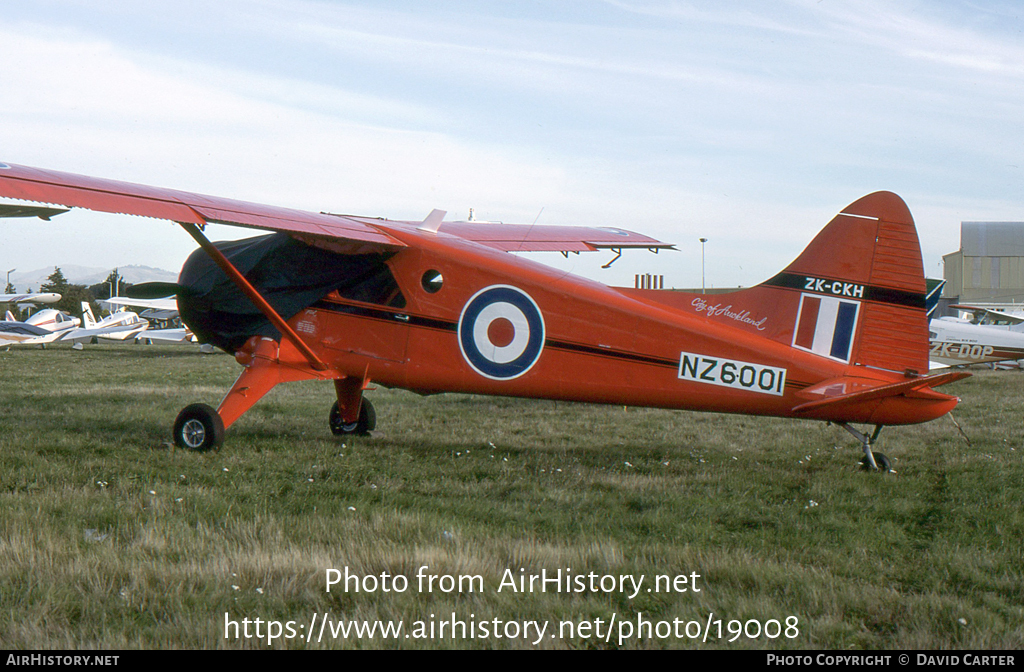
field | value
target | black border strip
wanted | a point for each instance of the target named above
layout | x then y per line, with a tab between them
395	315
385	314
895	297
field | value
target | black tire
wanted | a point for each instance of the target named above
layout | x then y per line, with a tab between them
881	460
366	423
198	427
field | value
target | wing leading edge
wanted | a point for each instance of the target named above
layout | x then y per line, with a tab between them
337	232
79	191
992	315
527	238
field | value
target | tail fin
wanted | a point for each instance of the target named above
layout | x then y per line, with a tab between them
932	295
88	321
855	295
857	292
9	317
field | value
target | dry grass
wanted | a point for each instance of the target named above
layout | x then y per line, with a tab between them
111	538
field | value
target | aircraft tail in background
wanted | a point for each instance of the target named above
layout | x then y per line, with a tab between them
88	319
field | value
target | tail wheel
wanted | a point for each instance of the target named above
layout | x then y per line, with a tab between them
198	427
881	461
366	423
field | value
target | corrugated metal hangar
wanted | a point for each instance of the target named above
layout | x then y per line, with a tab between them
989	266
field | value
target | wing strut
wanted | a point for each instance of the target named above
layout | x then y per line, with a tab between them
618	254
254	296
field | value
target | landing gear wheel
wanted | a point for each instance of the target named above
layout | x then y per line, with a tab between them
198	427
366	423
881	460
866	441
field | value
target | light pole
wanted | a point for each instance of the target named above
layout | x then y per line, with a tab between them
702	241
7	289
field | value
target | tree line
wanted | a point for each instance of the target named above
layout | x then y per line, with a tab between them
73	295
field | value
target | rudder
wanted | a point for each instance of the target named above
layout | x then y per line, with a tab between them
862	288
88	321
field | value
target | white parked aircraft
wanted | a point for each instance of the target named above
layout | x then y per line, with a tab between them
995	333
119	326
956	341
46	326
162	310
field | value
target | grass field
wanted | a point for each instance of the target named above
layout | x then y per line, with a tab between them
112	538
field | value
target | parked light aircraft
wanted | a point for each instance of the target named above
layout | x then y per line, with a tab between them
991	336
45	326
956	342
120	326
840	335
162	310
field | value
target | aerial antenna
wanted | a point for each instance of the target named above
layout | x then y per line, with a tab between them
521	242
433	221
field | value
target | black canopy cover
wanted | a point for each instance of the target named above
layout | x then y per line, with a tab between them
289	274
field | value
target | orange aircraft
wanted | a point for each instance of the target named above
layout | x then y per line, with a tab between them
840	335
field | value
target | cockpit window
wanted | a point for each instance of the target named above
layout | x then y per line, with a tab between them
375	284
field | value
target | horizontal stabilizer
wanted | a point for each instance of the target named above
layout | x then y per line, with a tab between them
851	390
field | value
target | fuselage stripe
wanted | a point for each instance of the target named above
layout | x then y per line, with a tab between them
396	315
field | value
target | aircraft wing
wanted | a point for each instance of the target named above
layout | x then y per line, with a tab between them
528	238
368	234
178	335
990	315
15	327
79	191
167	303
113	331
37	297
7	210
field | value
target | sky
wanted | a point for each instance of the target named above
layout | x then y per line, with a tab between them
748	123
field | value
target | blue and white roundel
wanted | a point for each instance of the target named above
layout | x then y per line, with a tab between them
501	332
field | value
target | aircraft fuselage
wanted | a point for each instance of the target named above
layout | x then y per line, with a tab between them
498	324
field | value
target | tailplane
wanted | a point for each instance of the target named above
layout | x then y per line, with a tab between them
88	320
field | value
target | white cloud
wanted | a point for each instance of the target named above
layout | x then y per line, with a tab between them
668	118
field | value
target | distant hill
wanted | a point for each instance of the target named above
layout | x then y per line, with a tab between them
89	275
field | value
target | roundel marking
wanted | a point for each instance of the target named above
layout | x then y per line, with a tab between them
501	332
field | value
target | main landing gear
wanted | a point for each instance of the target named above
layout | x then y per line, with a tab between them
198	427
366	423
265	364
872	461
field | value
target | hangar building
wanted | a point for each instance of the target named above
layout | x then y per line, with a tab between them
989	266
